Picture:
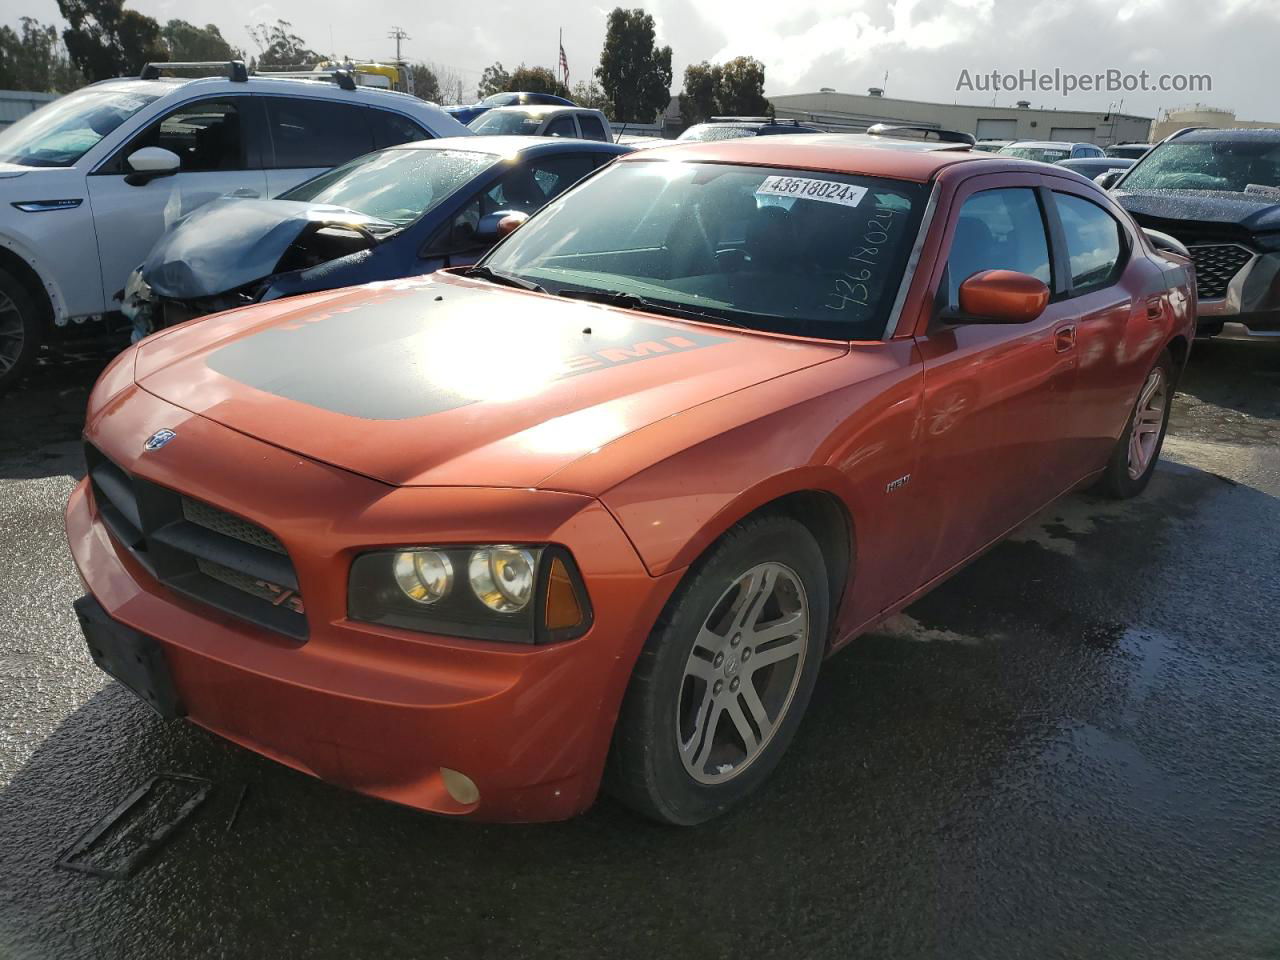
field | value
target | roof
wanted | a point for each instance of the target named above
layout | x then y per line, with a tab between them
1044	143
1237	135
502	146
916	160
540	109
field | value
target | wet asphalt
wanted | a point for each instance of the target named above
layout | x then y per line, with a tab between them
1068	750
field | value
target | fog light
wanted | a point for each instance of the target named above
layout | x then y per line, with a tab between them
461	787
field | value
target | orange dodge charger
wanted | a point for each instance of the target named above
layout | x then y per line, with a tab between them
595	510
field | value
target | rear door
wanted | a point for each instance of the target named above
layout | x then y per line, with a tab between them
996	395
215	140
1121	302
308	135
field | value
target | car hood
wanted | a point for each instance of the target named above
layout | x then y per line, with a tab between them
231	241
1251	211
448	381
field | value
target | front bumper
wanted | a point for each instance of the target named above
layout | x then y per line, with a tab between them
372	708
1249	309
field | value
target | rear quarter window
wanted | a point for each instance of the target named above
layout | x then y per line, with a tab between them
309	132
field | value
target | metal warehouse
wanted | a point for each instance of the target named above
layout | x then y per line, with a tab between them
855	112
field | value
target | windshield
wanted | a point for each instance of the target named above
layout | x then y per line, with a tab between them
61	133
789	251
1233	166
507	122
717	131
395	185
1043	154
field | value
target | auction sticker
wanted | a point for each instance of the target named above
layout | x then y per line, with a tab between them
804	188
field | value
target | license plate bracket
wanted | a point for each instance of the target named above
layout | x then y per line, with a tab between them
133	658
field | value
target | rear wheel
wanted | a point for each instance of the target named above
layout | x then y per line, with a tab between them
1134	458
726	675
21	330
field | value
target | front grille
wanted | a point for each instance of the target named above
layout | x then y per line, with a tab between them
199	550
1216	264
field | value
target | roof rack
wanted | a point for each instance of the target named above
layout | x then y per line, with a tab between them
784	120
909	131
342	78
236	70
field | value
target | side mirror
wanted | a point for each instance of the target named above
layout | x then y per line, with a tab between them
1108	180
495	226
148	163
1001	296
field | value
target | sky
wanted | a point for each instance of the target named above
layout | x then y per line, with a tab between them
923	45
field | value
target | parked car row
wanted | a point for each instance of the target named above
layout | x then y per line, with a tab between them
91	181
592	511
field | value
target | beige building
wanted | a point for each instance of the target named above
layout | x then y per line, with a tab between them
855	112
1198	115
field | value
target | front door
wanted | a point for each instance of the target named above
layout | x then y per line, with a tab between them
209	137
997	396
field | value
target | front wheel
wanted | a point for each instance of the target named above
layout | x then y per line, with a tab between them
1134	459
21	330
719	691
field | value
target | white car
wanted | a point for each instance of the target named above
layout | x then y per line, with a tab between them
534	120
90	182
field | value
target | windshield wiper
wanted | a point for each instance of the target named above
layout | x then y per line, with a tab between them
617	298
506	279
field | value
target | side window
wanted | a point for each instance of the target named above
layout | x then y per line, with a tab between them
998	230
561	127
206	135
391	129
1093	242
523	188
316	133
592	128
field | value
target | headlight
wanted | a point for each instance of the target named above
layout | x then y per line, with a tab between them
425	576
512	592
502	577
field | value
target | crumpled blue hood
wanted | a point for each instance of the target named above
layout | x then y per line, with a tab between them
232	241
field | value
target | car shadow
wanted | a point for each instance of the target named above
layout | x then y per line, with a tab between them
42	418
961	786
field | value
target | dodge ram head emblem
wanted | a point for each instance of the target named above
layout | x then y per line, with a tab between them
159	439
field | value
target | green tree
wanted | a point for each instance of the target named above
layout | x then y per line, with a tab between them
187	43
588	93
35	59
426	85
494	80
105	40
536	80
698	98
634	72
733	89
279	47
742	89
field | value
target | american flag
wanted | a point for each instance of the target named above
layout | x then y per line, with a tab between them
564	64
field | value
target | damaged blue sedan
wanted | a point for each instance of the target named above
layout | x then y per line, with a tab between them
406	210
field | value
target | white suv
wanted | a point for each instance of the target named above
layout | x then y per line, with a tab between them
90	182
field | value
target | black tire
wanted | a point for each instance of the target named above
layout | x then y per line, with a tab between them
645	767
1116	482
21	330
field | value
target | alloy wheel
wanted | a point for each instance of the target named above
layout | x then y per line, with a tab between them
12	333
742	673
1148	420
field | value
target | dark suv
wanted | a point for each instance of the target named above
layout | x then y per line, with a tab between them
730	128
1218	191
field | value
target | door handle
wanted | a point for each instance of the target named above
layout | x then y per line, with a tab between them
1155	308
1064	338
245	193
